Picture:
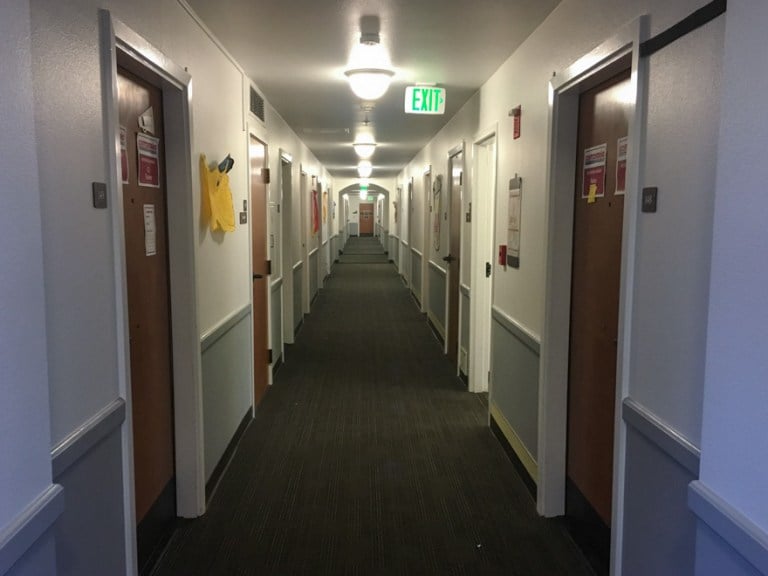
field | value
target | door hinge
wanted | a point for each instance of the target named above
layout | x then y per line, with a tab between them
269	355
489	376
269	267
461	178
265	177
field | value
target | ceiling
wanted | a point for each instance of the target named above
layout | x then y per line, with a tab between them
296	52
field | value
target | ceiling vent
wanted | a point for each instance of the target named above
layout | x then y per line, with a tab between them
257	105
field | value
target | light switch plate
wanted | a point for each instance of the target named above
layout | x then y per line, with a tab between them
99	190
650	199
243	217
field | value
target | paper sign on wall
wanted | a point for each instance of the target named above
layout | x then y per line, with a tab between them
124	154
621	166
513	222
593	185
150	230
148	149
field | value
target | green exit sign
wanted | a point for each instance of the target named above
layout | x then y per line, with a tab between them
424	100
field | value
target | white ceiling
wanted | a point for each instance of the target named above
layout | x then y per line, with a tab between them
296	52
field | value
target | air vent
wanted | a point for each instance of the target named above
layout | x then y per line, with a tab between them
257	105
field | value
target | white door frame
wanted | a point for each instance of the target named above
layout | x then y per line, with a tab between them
612	56
305	186
426	244
119	41
482	251
458	149
286	246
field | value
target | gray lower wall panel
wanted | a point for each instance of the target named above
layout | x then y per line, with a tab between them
226	388
334	249
729	542
39	559
298	313
715	557
515	382
90	534
394	250
416	273
313	264
21	536
659	529
276	312
437	279
464	319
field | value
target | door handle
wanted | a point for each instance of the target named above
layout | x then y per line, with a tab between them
258	276
449	259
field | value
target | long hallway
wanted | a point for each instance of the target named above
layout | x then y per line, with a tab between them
368	456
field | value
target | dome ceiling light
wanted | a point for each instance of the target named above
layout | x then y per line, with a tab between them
364	169
364	145
369	72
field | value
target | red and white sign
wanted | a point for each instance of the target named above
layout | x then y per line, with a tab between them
593	185
516	116
124	154
621	166
148	150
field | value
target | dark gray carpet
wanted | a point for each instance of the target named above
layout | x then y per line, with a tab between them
368	457
365	250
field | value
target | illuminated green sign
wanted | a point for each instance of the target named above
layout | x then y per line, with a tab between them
424	100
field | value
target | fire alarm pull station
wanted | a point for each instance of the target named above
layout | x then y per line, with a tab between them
503	255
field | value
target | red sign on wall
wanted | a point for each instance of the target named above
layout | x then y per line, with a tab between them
593	185
621	166
516	115
148	149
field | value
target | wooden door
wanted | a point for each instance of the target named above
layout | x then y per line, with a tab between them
453	259
146	254
598	220
366	219
258	153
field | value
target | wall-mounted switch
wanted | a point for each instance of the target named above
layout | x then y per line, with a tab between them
650	199
99	190
243	217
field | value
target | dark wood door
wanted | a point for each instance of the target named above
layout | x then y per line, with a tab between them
598	219
366	219
453	258
258	153
146	253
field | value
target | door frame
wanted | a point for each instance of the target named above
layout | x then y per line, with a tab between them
286	246
615	54
483	240
426	237
458	149
149	63
258	132
305	211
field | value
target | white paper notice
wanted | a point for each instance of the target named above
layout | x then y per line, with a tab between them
150	230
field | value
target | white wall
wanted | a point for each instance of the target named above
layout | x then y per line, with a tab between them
734	459
24	420
25	472
77	247
670	282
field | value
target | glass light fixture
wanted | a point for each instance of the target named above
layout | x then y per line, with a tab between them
364	169
369	71
363	194
364	145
